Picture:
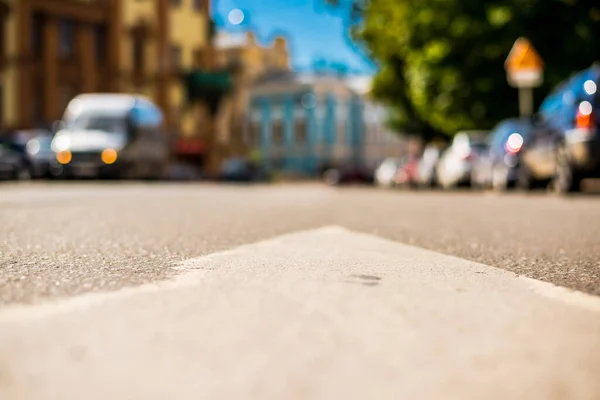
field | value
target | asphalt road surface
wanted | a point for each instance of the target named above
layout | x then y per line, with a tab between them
67	239
334	293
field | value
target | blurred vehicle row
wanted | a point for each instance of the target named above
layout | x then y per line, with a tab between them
26	155
121	136
557	148
111	136
100	135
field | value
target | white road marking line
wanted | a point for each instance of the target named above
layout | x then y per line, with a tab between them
326	313
562	294
190	275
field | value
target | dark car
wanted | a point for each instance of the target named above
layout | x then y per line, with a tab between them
34	146
40	155
564	147
497	168
348	174
241	170
13	165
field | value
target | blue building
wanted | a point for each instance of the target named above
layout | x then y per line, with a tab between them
305	125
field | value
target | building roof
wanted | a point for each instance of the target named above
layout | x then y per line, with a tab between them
225	40
285	83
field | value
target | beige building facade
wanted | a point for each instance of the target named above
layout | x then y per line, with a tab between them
52	50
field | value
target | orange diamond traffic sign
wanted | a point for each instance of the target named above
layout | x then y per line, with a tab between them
523	57
524	66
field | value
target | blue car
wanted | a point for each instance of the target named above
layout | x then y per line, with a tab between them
564	147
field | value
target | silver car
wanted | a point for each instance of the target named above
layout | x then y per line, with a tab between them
456	163
427	169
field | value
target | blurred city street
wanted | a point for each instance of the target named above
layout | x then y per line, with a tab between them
316	199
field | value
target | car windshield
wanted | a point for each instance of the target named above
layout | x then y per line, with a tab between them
44	142
105	123
479	146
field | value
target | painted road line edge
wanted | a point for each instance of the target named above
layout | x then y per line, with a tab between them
190	275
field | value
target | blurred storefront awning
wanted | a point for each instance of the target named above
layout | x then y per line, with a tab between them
190	146
208	87
200	82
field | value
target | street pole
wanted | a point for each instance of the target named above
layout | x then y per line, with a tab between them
525	101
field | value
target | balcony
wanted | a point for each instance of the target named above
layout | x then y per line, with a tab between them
79	10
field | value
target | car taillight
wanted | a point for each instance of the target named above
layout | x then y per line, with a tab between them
585	118
514	143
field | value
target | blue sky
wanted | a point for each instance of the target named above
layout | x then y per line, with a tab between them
314	30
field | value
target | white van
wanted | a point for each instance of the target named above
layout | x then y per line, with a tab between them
111	135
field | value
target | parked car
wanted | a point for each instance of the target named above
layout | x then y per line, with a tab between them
426	170
406	174
564	147
40	156
385	174
237	169
348	174
13	165
111	135
497	167
456	163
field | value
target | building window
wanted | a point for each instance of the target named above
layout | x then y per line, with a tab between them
100	44
4	11
2	41
1	107
199	5
138	55
37	109
341	133
67	38
277	132
198	58
300	132
37	23
254	134
176	57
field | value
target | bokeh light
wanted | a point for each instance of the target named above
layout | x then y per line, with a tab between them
590	87
236	16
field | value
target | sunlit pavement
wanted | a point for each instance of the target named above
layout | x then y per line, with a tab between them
61	239
133	290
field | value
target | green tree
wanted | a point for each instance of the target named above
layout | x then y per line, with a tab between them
442	61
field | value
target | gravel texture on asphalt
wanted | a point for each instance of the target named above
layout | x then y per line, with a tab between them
60	239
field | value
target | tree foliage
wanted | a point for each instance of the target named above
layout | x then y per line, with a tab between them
442	61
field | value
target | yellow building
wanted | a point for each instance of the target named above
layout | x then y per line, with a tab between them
52	50
253	62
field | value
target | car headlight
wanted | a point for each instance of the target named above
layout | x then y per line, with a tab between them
64	157
33	147
61	143
109	156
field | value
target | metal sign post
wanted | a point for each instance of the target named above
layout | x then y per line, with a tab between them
525	101
524	70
